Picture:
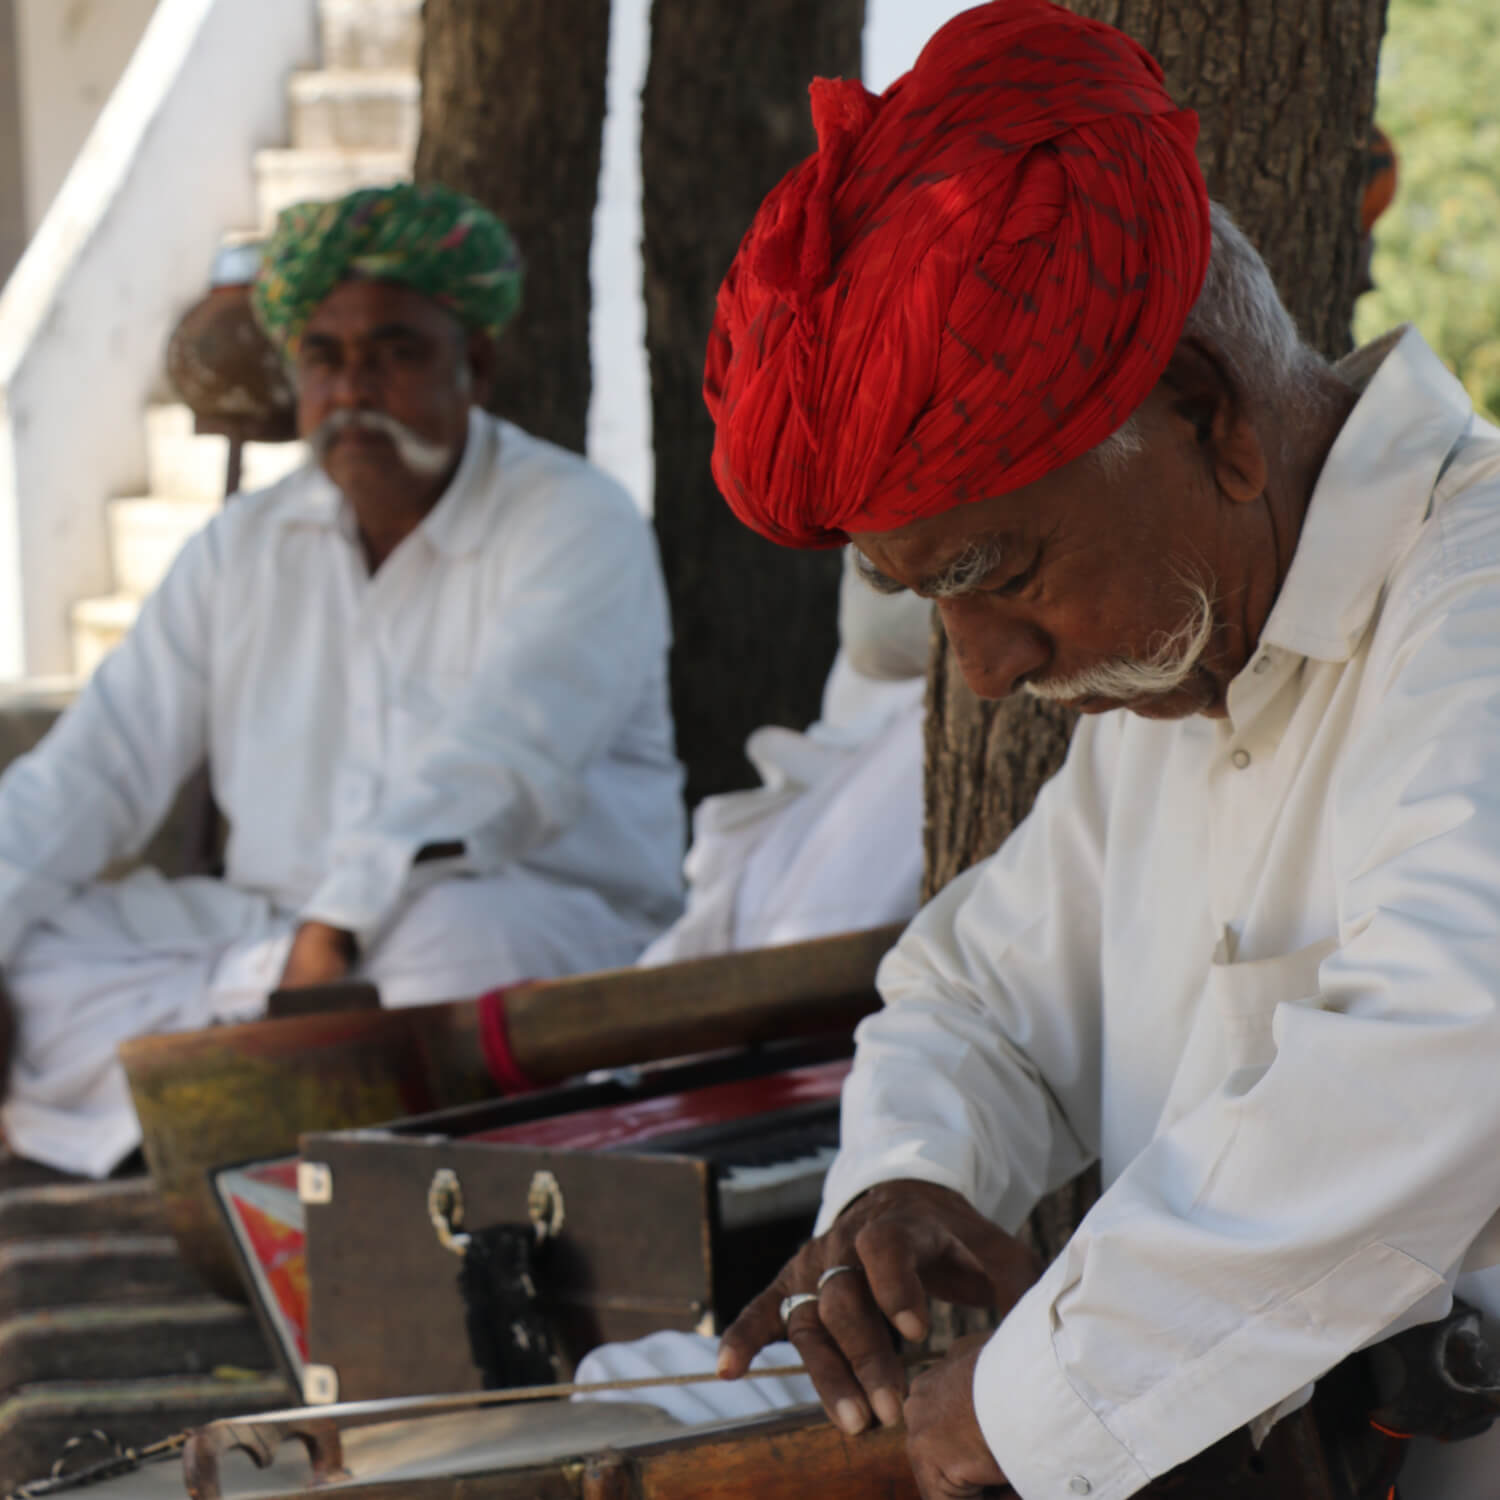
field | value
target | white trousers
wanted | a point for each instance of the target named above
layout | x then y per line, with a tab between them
147	954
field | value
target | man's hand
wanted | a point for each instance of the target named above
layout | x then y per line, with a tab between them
948	1452
901	1242
320	954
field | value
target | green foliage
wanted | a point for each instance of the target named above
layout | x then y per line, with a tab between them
1437	248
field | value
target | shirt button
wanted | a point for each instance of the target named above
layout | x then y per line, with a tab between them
1262	665
1079	1485
1241	759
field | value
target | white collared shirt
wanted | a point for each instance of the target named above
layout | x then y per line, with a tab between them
500	682
1252	964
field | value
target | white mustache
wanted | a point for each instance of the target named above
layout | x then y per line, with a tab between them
1161	673
415	452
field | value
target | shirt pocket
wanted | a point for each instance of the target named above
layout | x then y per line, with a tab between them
1231	1031
1245	996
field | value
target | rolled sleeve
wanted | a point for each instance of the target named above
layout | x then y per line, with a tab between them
1049	1442
363	888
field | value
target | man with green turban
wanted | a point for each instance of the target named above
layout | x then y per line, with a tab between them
424	236
427	670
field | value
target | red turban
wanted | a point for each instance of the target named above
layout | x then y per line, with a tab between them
978	276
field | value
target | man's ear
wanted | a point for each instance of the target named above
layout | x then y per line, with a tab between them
479	354
1206	394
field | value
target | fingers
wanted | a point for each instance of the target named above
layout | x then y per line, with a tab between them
853	1322
841	1338
905	1259
758	1325
843	1398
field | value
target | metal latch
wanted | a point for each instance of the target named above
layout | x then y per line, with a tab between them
544	1206
445	1207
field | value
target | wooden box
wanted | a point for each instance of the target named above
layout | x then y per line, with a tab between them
676	1193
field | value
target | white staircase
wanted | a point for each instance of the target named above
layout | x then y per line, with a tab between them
353	124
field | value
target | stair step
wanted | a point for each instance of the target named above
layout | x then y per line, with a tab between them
287	177
371	33
189	466
38	1420
147	533
99	625
36	1274
189	1337
129	1205
355	110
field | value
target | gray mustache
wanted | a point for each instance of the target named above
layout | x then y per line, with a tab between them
415	452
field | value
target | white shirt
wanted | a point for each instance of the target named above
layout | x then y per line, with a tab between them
831	839
499	681
1253	965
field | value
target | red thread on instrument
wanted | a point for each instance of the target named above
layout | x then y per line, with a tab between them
494	1039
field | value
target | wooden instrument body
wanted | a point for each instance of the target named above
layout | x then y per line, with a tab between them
228	1094
643	1244
787	1456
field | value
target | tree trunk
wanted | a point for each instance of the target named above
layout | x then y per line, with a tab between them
725	116
1285	91
512	114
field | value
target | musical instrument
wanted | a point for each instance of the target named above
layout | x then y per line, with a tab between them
231	1093
662	1199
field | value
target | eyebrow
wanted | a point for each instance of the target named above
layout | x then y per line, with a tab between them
388	332
385	333
963	574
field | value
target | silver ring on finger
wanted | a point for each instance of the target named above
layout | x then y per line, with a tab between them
831	1272
789	1305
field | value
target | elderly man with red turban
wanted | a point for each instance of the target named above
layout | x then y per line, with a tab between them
1245	952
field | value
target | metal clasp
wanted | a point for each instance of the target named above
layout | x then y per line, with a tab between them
445	1207
544	1206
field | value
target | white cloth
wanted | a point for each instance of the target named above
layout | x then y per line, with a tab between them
1253	964
670	1353
500	681
831	840
147	955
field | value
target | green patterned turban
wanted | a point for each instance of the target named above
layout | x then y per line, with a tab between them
421	235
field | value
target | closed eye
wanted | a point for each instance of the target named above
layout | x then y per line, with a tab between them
1016	584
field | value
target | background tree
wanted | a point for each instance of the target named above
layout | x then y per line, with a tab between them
1284	91
724	117
513	115
1437	248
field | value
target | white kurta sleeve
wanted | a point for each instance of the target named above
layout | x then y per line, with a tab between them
981	1072
1309	1202
96	788
568	654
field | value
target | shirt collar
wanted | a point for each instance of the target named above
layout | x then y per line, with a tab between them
460	520
1374	490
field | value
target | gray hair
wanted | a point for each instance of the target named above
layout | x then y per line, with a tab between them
1240	315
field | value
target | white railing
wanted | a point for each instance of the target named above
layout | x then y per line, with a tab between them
123	250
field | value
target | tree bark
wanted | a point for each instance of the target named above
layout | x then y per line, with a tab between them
1285	92
513	114
724	117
